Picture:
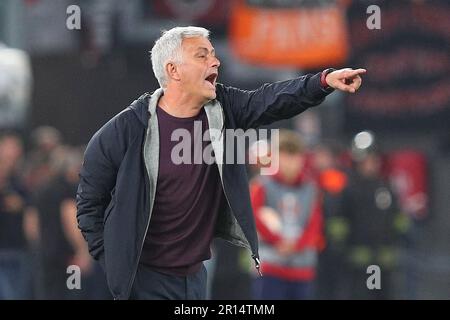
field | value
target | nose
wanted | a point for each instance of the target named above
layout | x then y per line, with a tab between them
215	62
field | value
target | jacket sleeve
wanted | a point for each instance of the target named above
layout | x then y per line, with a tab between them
274	101
257	195
97	179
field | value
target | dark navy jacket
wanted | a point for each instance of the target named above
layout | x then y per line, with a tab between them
118	177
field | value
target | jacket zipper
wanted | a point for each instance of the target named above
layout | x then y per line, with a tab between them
254	257
147	179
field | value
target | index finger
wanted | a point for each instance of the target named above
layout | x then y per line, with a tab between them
353	73
357	71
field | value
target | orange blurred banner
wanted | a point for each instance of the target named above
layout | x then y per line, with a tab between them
303	37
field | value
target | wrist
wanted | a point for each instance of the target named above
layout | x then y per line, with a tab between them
323	78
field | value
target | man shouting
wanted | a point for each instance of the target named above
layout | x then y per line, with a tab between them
149	219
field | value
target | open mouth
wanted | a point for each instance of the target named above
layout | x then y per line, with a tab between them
212	79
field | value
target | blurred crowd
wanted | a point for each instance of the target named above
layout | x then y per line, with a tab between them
338	205
326	216
330	222
323	222
39	237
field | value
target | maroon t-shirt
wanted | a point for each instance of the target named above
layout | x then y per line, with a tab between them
188	199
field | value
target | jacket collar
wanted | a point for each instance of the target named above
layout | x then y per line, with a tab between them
154	98
145	105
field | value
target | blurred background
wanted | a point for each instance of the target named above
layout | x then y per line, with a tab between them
381	156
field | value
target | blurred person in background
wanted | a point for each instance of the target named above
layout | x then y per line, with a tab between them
371	210
15	274
288	215
45	140
332	179
61	242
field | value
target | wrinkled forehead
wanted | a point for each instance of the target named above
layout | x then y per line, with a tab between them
194	44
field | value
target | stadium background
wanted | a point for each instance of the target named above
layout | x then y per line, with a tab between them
74	80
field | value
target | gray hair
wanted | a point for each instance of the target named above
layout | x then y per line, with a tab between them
168	49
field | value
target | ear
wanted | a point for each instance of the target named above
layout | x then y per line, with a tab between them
172	71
